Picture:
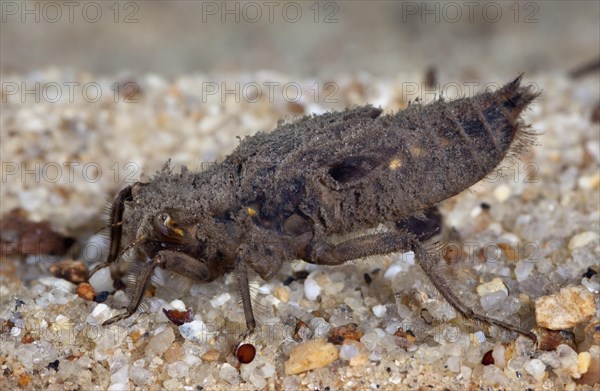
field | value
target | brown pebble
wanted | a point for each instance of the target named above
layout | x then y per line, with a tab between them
350	331
510	251
19	235
150	291
452	253
550	339
211	355
86	291
245	353
72	357
135	336
405	300
179	317
299	326
7	327
24	380
405	338
488	358
173	353
295	108
321	314
27	338
74	271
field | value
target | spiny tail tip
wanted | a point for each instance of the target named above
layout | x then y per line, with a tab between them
517	97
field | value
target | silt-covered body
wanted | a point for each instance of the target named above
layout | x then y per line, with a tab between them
290	193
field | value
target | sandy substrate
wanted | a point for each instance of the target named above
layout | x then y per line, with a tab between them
518	236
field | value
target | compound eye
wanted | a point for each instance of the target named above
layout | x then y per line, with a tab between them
167	226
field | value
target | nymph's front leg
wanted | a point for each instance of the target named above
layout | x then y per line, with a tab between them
116	230
241	269
170	260
264	253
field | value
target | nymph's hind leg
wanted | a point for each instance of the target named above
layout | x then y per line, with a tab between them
323	253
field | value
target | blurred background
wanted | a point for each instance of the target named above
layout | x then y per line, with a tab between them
202	71
299	38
